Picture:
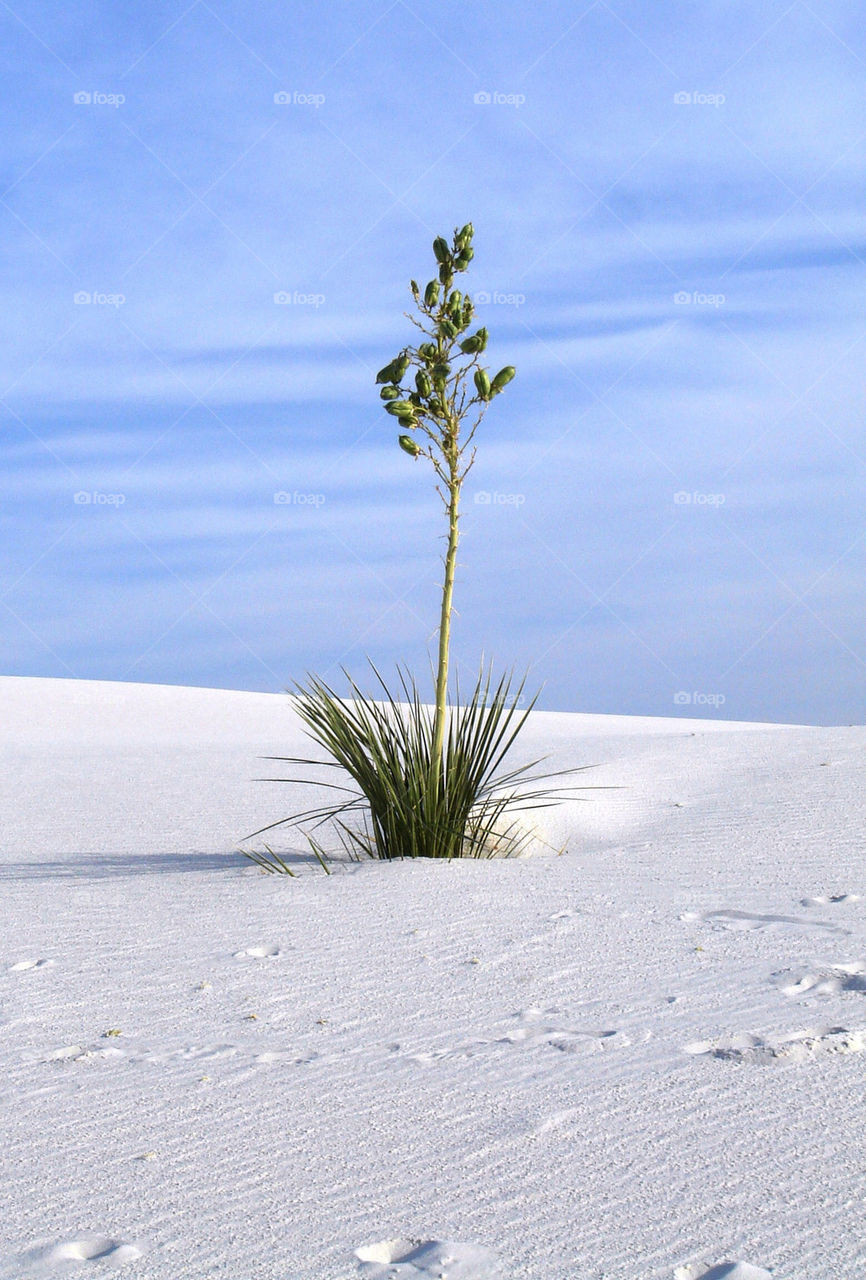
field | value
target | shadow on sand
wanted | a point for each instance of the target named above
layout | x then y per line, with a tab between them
95	866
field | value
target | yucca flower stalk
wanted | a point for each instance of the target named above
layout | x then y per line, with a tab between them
428	389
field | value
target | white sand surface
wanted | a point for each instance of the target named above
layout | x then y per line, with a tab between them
644	1056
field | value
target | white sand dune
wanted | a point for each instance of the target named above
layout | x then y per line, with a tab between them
642	1057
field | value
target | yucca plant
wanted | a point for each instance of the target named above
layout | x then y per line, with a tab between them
406	809
427	783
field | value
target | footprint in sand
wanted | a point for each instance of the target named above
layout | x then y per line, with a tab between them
95	1249
279	1057
542	1026
80	1053
797	1046
22	965
430	1259
829	899
746	921
829	980
533	1027
262	952
722	1271
186	1053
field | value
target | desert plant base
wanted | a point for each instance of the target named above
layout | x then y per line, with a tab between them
470	806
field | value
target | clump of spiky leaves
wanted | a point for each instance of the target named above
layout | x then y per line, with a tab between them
401	807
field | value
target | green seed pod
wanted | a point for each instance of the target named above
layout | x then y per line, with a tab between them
446	274
398	407
390	393
463	258
465	234
401	364
468	311
482	384
502	378
455	298
408	445
422	382
431	293
406	421
447	329
388	374
416	292
440	248
428	350
477	342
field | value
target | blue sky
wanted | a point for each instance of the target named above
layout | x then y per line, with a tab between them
668	210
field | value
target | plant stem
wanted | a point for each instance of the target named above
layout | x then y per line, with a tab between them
445	625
